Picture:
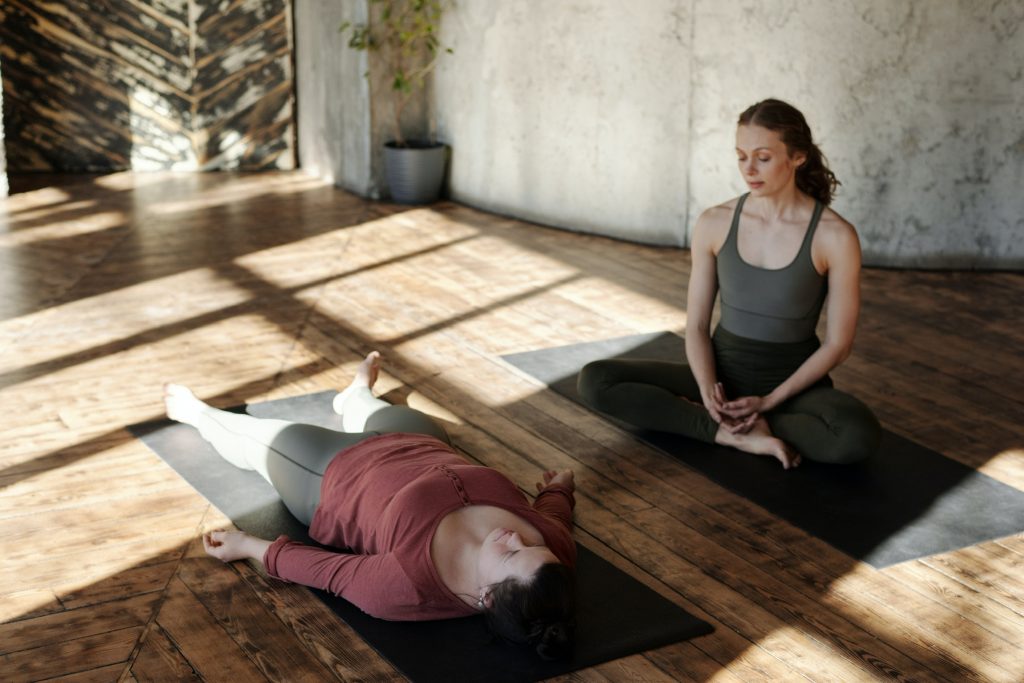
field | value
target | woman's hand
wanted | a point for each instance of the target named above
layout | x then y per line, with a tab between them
551	478
744	407
228	546
713	404
732	415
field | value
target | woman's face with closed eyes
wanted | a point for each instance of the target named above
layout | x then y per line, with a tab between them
764	161
504	554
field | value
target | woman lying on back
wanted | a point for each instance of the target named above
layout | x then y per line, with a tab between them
420	533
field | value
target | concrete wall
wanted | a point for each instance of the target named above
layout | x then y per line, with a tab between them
573	114
618	118
343	122
333	110
919	106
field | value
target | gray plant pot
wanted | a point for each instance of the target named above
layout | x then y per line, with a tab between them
415	173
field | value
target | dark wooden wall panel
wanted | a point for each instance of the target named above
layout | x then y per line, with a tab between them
243	81
147	84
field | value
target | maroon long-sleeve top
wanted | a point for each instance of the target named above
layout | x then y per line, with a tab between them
382	499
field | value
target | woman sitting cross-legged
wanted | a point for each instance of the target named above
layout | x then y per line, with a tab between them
773	257
422	533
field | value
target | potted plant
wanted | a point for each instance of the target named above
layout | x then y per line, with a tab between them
404	34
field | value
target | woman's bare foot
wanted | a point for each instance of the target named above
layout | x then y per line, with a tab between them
182	404
366	377
368	370
760	441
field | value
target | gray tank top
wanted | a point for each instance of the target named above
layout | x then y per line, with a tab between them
774	305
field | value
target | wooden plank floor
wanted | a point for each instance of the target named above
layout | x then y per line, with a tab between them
249	287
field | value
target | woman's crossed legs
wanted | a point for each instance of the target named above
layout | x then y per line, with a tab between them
822	423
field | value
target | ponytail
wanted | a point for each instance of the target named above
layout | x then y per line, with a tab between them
813	177
540	613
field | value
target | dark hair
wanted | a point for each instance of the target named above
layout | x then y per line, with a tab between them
813	177
540	613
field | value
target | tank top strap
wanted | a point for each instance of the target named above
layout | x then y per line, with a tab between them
732	237
805	248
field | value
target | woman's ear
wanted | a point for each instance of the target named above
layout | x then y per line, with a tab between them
486	599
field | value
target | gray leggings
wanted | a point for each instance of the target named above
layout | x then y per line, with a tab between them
821	423
293	456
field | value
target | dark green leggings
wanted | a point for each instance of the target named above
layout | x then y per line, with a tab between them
821	423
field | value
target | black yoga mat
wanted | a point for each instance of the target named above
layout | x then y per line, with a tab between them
906	502
618	616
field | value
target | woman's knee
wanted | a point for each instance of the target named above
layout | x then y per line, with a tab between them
858	434
399	418
590	382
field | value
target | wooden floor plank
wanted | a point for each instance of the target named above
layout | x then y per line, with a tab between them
981	568
74	568
70	656
49	629
102	674
635	668
976	608
211	652
271	646
687	663
102	525
330	640
158	661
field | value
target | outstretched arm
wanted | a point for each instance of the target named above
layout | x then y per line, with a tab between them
375	584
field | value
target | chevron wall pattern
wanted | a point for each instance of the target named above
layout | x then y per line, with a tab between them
106	85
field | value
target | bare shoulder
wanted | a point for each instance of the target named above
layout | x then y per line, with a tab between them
835	227
835	240
718	215
712	225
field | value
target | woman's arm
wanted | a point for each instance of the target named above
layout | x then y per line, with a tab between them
700	302
842	256
228	546
555	496
375	584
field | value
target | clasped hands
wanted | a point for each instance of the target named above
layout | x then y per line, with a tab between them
739	415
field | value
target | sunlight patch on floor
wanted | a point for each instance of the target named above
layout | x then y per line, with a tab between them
1006	466
42	199
63	229
367	246
635	310
129	180
112	316
238	189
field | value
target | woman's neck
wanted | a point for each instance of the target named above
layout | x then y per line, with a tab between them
454	550
785	206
